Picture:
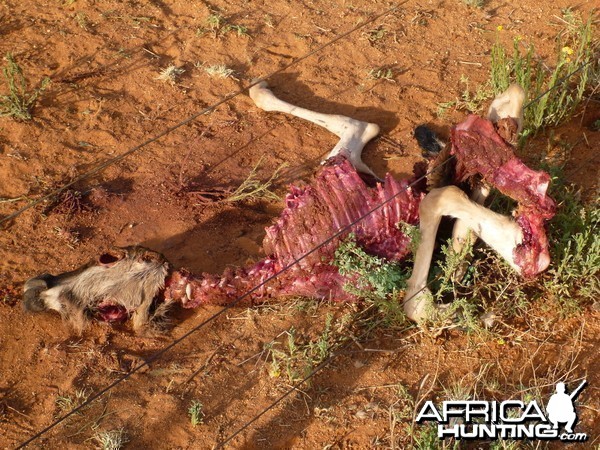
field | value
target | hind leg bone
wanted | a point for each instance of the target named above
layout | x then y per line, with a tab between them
500	232
353	134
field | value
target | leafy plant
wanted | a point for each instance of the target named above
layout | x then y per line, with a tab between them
19	102
294	360
373	279
112	439
576	50
254	189
196	413
573	232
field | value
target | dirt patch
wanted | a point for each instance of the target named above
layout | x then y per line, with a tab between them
104	59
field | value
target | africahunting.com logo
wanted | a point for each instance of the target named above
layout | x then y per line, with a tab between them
509	419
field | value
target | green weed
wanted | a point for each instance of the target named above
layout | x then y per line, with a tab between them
83	21
454	277
576	49
474	3
468	100
196	413
19	102
254	189
112	439
376	34
426	438
505	445
294	359
218	26
374	280
217	71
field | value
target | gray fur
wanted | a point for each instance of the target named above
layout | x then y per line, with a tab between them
132	282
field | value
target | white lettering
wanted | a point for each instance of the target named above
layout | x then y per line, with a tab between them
536	414
545	431
428	412
448	432
477	408
453	408
505	413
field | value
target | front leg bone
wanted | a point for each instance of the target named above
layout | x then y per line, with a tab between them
353	134
501	233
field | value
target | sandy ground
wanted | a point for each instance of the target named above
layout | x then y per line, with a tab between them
104	59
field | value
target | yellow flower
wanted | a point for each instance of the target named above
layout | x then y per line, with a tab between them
567	50
499	28
567	59
519	38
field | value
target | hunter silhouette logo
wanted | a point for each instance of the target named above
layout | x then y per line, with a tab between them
560	407
509	419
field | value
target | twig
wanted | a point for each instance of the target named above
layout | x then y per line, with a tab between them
206	363
469	63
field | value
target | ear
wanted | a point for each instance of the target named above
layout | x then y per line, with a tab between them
112	257
508	104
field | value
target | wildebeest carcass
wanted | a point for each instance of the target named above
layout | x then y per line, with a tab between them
141	284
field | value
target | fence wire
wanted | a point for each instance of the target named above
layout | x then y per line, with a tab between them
340	232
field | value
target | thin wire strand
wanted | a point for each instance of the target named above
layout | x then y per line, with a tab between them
239	299
334	355
329	360
193	117
336	352
229	306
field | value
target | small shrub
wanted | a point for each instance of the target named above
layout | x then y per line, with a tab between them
575	248
374	280
112	439
19	102
576	50
195	412
254	189
218	26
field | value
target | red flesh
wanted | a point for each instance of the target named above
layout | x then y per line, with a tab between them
339	197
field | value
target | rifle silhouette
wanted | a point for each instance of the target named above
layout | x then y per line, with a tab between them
576	392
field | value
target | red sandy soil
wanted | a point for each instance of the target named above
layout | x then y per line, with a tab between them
103	58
